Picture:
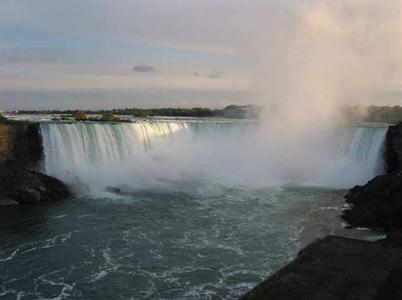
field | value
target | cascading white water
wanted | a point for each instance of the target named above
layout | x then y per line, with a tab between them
91	152
136	154
359	153
72	146
364	145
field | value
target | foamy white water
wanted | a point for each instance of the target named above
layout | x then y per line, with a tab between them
144	153
360	154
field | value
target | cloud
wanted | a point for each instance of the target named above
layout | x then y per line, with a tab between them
216	74
73	78
284	51
144	68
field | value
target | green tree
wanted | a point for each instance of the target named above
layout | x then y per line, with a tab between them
109	118
80	116
141	114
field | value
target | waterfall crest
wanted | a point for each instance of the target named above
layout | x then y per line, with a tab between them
167	149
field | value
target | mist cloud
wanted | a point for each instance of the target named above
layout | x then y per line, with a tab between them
216	74
331	54
144	68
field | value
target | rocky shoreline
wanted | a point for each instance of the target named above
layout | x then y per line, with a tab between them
376	205
20	155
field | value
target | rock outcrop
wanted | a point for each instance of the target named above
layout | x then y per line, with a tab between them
377	205
20	153
337	268
21	185
393	149
20	141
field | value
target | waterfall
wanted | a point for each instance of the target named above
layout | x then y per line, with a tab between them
71	146
92	152
139	153
363	145
359	155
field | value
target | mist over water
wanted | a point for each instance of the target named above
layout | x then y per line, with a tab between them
330	54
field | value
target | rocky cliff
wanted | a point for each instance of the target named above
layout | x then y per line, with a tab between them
394	148
20	142
20	154
376	205
337	268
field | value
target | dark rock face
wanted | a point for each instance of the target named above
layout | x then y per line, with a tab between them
113	190
378	204
338	269
391	288
20	142
20	185
20	150
393	152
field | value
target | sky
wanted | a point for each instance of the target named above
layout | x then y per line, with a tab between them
105	54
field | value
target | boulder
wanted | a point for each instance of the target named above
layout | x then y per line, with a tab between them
336	268
113	190
20	141
21	185
393	149
377	205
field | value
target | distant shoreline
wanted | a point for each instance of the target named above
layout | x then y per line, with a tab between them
230	111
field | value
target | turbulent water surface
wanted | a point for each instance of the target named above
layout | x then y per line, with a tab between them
182	222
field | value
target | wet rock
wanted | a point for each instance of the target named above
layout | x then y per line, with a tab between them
393	149
113	190
20	141
336	268
377	205
21	185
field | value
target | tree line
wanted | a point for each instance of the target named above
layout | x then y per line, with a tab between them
152	112
373	113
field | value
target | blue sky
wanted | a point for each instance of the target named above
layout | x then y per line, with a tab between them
61	54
